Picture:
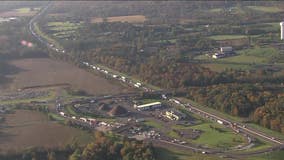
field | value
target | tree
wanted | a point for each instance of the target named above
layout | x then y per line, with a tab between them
76	155
51	156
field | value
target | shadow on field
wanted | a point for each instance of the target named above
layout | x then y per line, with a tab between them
7	69
5	137
165	154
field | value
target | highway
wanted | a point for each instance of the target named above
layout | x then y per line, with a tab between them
189	107
238	126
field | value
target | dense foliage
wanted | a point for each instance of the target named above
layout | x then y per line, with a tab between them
103	147
161	50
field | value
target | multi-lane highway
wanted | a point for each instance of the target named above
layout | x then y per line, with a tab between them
234	125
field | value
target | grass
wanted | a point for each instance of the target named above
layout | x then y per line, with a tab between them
276	155
238	119
258	55
211	110
70	110
153	124
267	9
266	52
244	59
144	101
56	117
215	10
63	29
265	130
219	67
214	138
25	10
227	37
166	41
175	154
45	36
51	95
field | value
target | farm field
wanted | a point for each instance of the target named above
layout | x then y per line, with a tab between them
130	19
20	12
267	9
25	129
245	59
227	37
44	71
63	29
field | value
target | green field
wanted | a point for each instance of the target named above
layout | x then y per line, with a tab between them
227	37
175	154
276	155
63	29
219	67
253	56
215	10
225	138
69	110
25	10
45	36
153	124
56	117
267	131
267	9
245	59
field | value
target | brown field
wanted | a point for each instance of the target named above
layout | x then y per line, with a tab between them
130	19
44	71
26	128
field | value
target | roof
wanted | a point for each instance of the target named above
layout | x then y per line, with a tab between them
149	104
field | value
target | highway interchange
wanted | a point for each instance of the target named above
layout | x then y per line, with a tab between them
234	125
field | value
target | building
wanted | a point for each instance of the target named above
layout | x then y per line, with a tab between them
224	52
218	55
282	30
174	115
148	106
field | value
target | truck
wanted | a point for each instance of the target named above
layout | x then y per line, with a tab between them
219	121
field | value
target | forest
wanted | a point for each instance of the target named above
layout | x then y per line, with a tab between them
162	50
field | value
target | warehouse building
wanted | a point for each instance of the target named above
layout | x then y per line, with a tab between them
149	106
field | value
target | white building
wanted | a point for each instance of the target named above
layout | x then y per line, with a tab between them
282	30
148	106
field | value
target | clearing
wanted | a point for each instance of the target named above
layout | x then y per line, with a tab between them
24	129
45	71
227	37
267	9
20	12
130	19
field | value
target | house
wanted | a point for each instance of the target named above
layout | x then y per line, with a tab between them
148	106
218	55
174	115
224	52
